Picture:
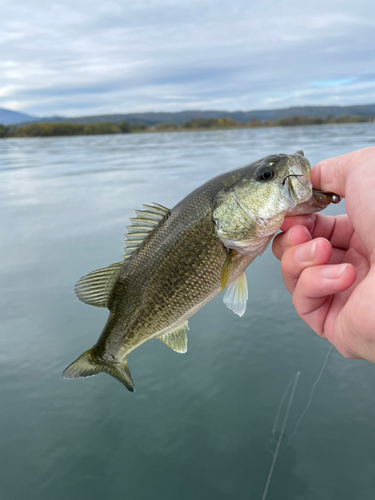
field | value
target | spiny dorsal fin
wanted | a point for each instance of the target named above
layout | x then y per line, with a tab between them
236	294
143	226
176	339
95	288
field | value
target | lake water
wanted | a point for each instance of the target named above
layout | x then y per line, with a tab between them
199	426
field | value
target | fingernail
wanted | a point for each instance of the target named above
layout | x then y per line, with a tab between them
306	253
333	272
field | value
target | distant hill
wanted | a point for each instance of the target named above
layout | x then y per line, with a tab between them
152	118
8	117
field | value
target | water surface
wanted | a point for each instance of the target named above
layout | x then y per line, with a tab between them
199	424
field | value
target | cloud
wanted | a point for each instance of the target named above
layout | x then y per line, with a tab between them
88	57
332	83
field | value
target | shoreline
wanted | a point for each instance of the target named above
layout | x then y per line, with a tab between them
66	129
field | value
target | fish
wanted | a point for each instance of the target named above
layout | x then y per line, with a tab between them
177	260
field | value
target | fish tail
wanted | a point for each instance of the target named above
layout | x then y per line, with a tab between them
88	365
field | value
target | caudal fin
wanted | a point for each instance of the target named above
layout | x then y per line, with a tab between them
88	365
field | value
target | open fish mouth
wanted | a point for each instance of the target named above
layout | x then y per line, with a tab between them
291	175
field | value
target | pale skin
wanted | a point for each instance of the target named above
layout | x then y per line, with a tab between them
328	263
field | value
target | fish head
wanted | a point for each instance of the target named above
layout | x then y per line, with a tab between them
255	204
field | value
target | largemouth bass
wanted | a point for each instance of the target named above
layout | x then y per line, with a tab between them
178	260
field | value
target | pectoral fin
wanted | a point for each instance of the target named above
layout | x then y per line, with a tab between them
227	268
236	295
177	339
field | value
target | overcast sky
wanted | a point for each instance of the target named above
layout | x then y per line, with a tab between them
85	57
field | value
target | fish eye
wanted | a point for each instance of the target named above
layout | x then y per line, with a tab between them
266	174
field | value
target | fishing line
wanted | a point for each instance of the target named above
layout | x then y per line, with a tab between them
295	379
310	397
279	411
293	382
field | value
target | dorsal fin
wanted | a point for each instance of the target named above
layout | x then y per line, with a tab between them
143	226
176	339
95	288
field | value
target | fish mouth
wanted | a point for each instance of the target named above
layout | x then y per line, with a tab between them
291	175
300	190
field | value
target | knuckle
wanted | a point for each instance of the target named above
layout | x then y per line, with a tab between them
287	262
304	280
283	265
276	247
296	302
345	351
346	354
321	334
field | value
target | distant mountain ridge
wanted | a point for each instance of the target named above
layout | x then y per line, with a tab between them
179	117
8	117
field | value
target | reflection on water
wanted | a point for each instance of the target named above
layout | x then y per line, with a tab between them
199	424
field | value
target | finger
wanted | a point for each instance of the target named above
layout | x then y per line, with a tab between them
298	258
337	256
353	331
338	230
307	220
295	236
330	175
313	293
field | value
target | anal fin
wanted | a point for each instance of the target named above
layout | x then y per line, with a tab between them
236	295
176	339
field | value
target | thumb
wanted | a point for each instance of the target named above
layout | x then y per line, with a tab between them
331	175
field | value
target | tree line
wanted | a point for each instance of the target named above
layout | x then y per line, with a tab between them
71	129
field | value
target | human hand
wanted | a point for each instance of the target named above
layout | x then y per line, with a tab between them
328	263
